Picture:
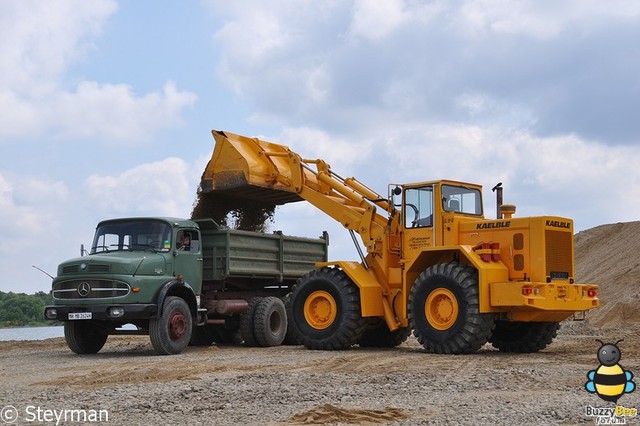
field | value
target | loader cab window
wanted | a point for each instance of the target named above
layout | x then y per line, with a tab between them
461	199
418	207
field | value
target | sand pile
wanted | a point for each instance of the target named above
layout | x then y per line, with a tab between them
609	255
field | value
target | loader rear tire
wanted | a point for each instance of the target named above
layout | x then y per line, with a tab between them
325	310
247	329
444	310
377	335
84	337
523	337
270	322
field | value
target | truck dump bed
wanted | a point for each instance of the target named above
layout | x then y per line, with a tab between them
230	254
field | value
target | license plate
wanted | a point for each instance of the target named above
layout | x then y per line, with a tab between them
80	315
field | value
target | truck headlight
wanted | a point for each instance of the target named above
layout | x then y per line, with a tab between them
116	312
51	313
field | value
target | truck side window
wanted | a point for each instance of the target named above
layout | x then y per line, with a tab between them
188	240
418	207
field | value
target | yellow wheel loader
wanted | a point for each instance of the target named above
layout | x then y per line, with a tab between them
433	263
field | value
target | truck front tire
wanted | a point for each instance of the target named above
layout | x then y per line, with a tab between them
444	310
171	332
84	337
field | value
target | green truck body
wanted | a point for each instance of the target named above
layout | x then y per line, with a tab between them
180	281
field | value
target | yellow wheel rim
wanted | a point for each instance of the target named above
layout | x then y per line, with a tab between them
320	310
441	309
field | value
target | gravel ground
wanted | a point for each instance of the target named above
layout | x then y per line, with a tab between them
230	385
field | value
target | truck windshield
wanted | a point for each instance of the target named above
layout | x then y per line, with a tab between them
132	235
461	199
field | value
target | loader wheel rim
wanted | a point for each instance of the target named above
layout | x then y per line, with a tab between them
441	309
320	310
177	326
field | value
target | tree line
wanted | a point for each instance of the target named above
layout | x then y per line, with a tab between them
20	309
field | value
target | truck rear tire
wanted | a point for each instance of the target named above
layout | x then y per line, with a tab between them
325	310
523	337
171	332
377	335
247	329
444	310
84	337
270	322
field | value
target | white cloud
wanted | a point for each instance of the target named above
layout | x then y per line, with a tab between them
374	20
114	112
541	19
162	188
29	211
345	64
312	144
41	40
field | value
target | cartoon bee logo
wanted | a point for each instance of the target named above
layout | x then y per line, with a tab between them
609	381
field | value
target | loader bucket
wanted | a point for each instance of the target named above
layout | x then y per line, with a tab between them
240	169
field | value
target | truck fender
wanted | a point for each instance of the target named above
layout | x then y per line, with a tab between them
180	289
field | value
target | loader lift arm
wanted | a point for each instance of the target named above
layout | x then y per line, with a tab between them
254	169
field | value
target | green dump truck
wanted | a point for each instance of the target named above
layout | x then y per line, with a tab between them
181	282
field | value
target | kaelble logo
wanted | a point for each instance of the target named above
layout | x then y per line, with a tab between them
609	381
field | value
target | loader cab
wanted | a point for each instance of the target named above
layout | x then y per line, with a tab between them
431	212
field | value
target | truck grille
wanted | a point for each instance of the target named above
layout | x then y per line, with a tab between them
559	255
73	269
90	289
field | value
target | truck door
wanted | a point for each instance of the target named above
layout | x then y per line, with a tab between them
418	217
188	257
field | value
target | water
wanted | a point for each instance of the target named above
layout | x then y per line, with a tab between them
31	333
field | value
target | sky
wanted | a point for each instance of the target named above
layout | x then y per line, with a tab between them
107	107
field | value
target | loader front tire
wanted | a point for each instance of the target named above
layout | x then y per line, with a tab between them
325	310
291	338
444	310
523	337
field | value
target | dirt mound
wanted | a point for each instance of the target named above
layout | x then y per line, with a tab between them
609	255
328	413
236	213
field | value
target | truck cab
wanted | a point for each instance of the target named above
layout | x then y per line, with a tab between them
133	266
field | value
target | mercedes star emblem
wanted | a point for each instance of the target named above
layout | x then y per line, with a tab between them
84	288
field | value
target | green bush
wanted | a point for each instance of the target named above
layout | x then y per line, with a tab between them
19	309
